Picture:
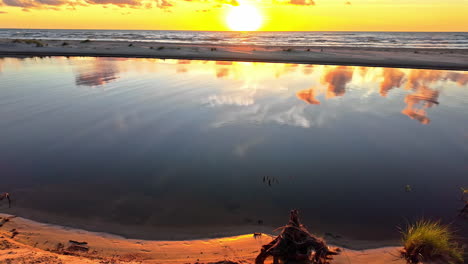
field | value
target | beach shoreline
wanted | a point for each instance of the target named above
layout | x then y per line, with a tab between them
22	240
421	58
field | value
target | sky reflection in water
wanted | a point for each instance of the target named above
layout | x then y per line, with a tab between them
160	145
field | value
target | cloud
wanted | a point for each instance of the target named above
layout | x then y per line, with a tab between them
148	4
226	2
302	2
20	3
115	2
161	4
50	2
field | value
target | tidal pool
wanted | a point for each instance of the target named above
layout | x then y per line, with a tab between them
180	149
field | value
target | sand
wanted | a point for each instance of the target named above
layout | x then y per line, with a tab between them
449	59
26	241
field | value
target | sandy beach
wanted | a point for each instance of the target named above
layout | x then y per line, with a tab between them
450	59
26	241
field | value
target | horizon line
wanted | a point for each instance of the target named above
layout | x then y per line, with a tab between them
198	30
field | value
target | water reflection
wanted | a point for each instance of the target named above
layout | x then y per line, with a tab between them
422	87
392	78
99	72
308	96
330	81
164	134
336	79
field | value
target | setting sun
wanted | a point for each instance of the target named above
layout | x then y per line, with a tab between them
244	18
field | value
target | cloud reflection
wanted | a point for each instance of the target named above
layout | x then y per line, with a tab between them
337	78
98	72
393	78
308	96
262	89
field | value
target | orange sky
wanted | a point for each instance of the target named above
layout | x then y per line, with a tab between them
278	15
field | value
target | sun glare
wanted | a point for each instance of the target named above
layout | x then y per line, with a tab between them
244	18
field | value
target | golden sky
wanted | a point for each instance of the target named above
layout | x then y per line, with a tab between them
278	15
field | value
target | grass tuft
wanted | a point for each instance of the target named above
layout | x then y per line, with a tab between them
430	241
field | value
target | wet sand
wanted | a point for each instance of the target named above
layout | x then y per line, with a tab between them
450	59
24	241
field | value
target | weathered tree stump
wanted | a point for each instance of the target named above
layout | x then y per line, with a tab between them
294	244
6	196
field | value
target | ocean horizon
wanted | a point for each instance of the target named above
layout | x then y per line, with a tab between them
446	40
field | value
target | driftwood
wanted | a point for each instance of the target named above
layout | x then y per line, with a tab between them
295	244
6	196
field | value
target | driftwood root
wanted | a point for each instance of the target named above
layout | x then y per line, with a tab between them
295	243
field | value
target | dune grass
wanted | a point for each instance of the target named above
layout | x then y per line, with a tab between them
430	241
29	41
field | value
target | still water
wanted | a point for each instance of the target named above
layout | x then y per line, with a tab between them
179	149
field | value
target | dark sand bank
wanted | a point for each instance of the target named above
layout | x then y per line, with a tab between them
450	59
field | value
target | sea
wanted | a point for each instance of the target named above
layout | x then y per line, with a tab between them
448	40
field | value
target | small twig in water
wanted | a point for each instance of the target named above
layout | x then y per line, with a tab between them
6	196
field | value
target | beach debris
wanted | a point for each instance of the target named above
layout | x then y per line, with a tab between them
260	222
295	243
130	45
14	232
85	41
270	180
6	196
65	44
78	243
4	245
74	246
161	48
213	49
224	262
408	188
4	220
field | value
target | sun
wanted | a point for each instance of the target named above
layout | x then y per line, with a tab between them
244	18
